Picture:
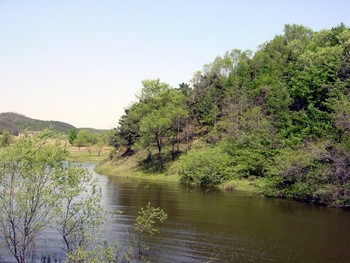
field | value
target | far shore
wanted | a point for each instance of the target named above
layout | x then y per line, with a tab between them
127	167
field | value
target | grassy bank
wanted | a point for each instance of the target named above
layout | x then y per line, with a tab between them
254	186
128	167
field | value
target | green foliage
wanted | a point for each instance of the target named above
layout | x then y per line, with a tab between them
82	138
341	114
5	139
206	167
72	136
153	119
251	112
111	138
17	123
343	71
317	173
86	139
315	79
102	253
295	94
297	32
79	220
144	224
39	191
248	163
128	131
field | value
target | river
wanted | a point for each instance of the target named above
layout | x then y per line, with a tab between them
215	226
208	225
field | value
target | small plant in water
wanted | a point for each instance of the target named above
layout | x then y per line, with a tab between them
144	224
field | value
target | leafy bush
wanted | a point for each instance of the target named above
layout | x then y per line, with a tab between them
318	173
206	166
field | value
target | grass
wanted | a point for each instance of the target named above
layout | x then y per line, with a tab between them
254	185
125	167
79	155
83	156
128	167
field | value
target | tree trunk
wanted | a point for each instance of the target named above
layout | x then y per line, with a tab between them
159	146
178	137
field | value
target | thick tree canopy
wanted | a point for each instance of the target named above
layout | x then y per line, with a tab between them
256	111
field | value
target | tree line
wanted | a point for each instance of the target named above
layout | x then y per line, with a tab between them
280	114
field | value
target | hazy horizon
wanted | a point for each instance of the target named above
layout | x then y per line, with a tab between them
82	62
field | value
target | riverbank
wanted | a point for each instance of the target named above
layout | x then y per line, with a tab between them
128	167
124	167
253	186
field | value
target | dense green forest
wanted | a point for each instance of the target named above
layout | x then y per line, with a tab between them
280	115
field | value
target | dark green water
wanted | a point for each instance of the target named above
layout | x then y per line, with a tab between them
214	226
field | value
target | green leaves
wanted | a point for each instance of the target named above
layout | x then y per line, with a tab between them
72	136
148	216
39	190
248	112
145	222
5	139
316	173
30	191
206	167
151	122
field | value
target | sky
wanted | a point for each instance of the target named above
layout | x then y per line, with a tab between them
83	61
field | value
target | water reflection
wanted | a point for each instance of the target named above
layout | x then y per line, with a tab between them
214	226
235	226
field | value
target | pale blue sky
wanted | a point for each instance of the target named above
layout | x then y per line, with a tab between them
82	61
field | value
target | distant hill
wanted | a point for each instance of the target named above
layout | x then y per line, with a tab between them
16	123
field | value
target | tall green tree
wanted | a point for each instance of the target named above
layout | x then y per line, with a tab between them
160	107
128	131
5	139
189	122
72	136
86	139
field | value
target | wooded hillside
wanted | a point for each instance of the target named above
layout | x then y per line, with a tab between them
280	114
16	123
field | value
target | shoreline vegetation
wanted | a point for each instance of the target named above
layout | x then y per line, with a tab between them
276	122
128	167
43	195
